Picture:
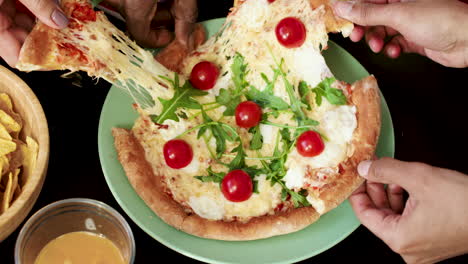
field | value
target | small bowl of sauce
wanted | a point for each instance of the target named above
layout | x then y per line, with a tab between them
75	231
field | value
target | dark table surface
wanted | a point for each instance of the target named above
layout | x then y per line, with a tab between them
428	104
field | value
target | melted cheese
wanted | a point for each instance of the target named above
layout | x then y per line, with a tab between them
339	124
174	129
206	207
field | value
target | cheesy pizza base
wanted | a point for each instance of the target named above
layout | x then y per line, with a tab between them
150	186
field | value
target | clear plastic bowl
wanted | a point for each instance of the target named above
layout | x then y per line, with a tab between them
73	215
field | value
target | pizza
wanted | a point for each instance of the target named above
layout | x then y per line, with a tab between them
251	136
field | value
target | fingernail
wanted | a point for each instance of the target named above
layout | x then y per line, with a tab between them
343	8
363	168
59	18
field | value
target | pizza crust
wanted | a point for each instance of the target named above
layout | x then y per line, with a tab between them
150	188
37	50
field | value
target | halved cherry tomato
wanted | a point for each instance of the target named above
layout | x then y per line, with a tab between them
310	144
290	32
237	186
248	114
177	153
204	75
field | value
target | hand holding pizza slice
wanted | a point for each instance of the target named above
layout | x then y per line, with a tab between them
253	138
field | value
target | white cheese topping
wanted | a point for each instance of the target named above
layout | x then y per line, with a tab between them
294	177
309	66
193	167
339	124
316	203
206	207
254	14
268	133
174	129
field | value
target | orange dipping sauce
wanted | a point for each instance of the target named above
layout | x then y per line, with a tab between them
80	248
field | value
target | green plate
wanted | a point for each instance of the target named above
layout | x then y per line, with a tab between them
318	237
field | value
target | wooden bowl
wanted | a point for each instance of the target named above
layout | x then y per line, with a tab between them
27	105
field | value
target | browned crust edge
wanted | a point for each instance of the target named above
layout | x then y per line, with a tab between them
366	98
149	187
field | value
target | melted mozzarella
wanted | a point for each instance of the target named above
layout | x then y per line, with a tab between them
294	177
255	14
339	124
309	66
193	167
316	203
174	129
206	207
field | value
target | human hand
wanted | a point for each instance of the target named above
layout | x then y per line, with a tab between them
431	225
433	28
142	16
15	23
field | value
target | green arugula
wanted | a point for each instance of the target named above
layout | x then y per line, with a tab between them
333	95
96	2
230	98
183	98
275	170
257	138
220	131
266	98
238	162
212	176
303	91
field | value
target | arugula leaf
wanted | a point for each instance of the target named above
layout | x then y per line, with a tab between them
239	160
96	2
220	132
333	95
239	71
230	98
257	138
183	98
299	198
266	98
212	176
303	91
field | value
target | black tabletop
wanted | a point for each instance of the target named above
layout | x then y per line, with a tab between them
427	101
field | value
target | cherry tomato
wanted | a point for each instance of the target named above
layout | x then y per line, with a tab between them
290	32
204	75
237	186
248	114
310	144
177	153
271	1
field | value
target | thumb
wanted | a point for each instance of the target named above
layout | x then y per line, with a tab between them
368	14
47	11
409	175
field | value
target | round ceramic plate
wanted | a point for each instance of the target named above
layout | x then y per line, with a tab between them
318	237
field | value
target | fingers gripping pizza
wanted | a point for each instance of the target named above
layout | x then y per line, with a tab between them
253	136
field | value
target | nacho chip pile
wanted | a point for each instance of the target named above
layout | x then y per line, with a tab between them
17	157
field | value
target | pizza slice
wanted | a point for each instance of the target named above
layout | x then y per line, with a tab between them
254	137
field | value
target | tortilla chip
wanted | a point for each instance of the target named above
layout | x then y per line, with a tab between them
16	157
6	146
9	122
14	184
7	100
4	133
6	196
